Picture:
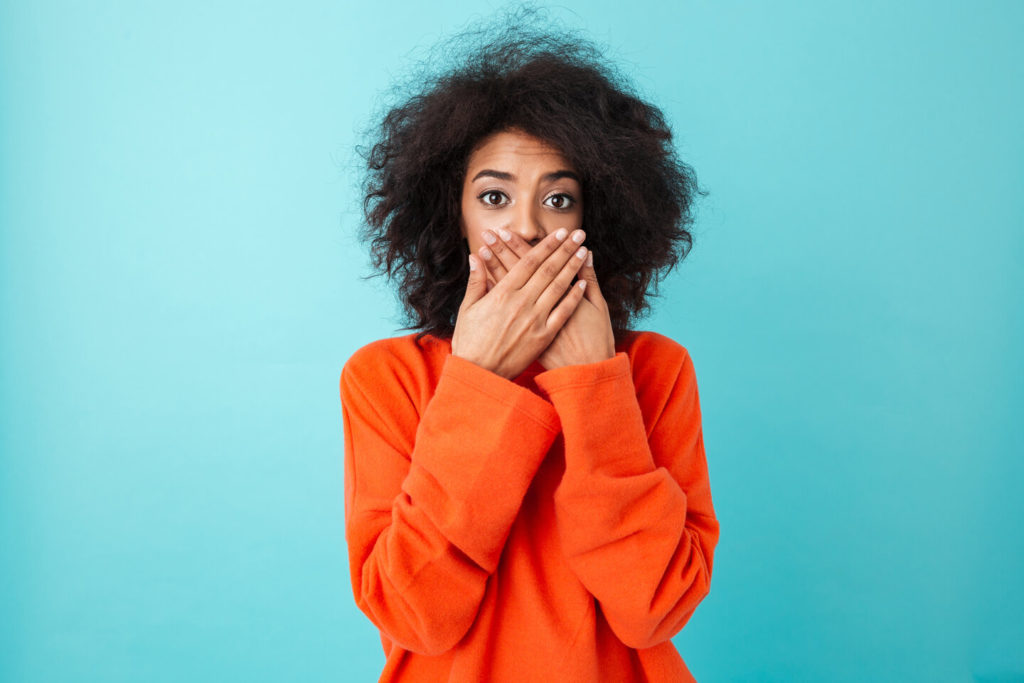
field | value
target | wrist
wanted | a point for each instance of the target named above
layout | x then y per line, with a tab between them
480	363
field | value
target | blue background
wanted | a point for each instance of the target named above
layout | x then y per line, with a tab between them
180	286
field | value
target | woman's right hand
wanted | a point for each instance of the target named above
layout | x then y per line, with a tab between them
505	329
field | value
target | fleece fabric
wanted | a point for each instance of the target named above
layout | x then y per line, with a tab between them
555	527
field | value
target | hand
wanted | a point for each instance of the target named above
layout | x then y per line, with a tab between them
504	330
587	336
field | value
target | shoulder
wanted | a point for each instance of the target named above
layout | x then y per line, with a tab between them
651	352
393	361
384	385
663	374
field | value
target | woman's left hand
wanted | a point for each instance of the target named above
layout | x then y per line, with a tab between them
587	336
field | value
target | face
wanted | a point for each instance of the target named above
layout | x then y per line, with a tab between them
518	183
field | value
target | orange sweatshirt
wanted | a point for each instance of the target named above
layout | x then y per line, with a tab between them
557	527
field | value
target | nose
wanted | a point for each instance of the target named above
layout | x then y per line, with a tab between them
526	223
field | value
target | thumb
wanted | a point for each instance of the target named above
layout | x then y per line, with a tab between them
476	287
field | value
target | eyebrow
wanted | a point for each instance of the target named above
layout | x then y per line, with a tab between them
548	178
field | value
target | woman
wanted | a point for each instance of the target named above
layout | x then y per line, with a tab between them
526	491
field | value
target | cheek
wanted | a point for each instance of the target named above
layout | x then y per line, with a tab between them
473	238
471	214
475	221
468	223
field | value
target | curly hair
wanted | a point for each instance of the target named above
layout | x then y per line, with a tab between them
558	87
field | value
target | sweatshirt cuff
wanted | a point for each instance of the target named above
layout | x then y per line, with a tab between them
479	443
588	374
497	387
602	424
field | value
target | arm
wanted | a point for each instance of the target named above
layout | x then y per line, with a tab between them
429	500
634	506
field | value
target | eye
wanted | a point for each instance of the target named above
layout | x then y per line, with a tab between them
492	198
562	201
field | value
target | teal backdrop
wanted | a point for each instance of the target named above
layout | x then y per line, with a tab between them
180	286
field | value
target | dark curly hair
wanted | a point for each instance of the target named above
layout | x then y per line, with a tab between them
555	86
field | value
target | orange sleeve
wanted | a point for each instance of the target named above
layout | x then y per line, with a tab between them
430	500
634	506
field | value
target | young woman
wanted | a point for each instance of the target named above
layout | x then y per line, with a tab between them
526	491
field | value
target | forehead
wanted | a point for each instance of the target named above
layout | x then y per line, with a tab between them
516	148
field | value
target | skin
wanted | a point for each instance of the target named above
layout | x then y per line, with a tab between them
529	205
520	198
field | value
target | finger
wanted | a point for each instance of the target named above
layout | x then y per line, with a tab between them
491	263
504	254
514	242
552	267
567	307
476	286
587	273
523	271
562	282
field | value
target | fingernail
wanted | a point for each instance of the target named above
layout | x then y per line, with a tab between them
489	237
560	235
578	236
505	235
590	259
581	252
485	252
472	262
